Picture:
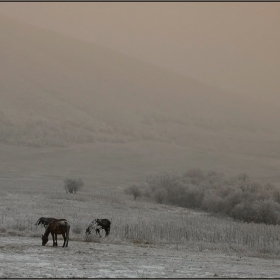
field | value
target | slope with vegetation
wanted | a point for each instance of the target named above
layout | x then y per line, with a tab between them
57	90
238	197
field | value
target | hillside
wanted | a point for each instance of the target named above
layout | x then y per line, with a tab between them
57	90
72	109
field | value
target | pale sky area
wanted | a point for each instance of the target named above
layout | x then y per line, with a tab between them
231	45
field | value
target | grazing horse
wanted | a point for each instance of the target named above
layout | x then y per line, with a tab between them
44	221
99	224
56	227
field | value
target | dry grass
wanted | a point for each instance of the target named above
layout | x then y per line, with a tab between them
32	187
135	222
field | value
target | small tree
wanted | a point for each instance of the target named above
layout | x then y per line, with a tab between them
160	195
134	190
73	185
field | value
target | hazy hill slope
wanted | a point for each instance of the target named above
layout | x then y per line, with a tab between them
56	90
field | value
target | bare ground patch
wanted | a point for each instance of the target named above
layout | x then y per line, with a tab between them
25	257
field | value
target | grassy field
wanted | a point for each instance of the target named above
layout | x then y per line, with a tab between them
32	186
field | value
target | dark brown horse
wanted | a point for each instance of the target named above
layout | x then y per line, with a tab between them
44	221
56	227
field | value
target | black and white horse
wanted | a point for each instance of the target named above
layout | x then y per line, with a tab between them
45	221
98	224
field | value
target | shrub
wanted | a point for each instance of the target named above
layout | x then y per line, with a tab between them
194	173
160	195
276	196
234	197
163	180
73	185
244	212
177	195
134	190
212	202
238	197
267	212
194	197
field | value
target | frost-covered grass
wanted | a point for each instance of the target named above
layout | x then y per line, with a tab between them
136	222
31	186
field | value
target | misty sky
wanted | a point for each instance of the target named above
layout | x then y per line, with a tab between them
232	45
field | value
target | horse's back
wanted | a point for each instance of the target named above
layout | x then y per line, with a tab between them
105	222
63	223
59	226
44	221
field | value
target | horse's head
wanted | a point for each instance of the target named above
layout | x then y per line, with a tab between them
44	240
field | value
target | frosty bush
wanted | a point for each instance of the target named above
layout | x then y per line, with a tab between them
238	197
134	190
73	185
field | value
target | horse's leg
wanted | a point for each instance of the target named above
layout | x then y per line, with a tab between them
97	231
107	230
67	235
64	239
53	239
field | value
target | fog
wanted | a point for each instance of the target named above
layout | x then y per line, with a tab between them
234	46
197	79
